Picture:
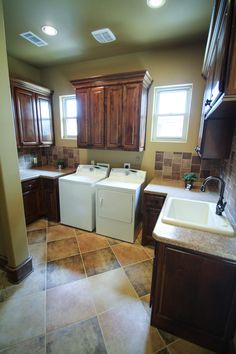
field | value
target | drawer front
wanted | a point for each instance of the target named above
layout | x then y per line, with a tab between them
153	201
30	185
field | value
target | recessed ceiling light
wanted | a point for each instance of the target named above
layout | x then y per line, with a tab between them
49	30
155	3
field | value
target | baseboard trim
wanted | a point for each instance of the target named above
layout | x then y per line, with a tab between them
3	262
17	274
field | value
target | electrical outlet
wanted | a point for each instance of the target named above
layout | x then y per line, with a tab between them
126	165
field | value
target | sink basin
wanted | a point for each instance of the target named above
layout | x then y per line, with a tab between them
197	215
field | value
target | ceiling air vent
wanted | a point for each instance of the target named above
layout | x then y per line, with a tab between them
32	38
104	35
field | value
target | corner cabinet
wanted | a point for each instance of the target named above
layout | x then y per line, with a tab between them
32	109
152	205
194	296
112	111
219	71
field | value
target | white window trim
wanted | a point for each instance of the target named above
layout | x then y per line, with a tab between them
183	138
63	117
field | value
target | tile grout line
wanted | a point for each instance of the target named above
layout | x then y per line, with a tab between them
82	260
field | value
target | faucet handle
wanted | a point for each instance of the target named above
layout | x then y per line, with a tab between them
220	206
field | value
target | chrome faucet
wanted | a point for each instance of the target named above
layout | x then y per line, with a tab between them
220	206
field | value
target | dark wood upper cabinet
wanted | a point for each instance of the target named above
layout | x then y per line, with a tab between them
219	71
44	111
32	109
114	116
112	111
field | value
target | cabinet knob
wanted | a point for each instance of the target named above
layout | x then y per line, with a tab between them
208	102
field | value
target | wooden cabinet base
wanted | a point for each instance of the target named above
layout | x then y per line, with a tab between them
194	296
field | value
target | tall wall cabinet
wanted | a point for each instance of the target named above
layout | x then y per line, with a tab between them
219	71
112	111
32	108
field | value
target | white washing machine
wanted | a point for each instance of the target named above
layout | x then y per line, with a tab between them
118	203
77	195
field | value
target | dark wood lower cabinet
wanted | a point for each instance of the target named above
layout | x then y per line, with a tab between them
32	199
41	198
193	296
50	195
152	205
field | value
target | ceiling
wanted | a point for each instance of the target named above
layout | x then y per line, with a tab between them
136	27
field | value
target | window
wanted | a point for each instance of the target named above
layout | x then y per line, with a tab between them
171	113
68	113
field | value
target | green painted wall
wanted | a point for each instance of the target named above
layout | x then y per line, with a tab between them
177	65
20	70
13	237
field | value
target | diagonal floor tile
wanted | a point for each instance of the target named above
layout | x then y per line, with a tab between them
36	236
129	254
33	283
37	225
182	347
62	249
110	289
84	337
150	250
127	330
167	337
22	318
69	303
38	253
91	242
64	271
60	232
140	276
35	345
100	261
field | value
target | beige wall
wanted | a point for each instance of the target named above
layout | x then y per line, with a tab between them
167	67
13	238
20	70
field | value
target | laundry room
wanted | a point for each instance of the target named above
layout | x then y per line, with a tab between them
117	176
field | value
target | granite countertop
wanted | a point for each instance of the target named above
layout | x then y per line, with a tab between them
44	171
201	241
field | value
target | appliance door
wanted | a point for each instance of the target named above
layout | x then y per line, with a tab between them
115	205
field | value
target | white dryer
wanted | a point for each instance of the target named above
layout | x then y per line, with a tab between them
77	195
118	203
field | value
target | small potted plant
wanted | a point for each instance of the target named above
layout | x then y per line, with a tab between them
189	178
60	164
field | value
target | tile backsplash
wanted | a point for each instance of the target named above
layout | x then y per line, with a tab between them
228	173
173	165
48	156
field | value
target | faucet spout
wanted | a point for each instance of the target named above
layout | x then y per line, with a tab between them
220	206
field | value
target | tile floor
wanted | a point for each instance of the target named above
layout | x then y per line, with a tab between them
87	294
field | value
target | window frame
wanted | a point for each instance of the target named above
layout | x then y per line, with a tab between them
186	114
64	118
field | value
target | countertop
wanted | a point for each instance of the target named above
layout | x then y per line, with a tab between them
201	241
44	171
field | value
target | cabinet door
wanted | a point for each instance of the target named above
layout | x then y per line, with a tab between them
113	114
82	97
44	111
97	120
32	200
131	116
152	205
50	195
26	117
194	296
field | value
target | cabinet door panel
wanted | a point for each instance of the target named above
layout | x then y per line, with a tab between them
27	120
82	96
97	117
113	99
45	120
198	284
131	114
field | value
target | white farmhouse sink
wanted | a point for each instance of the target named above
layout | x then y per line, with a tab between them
196	215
